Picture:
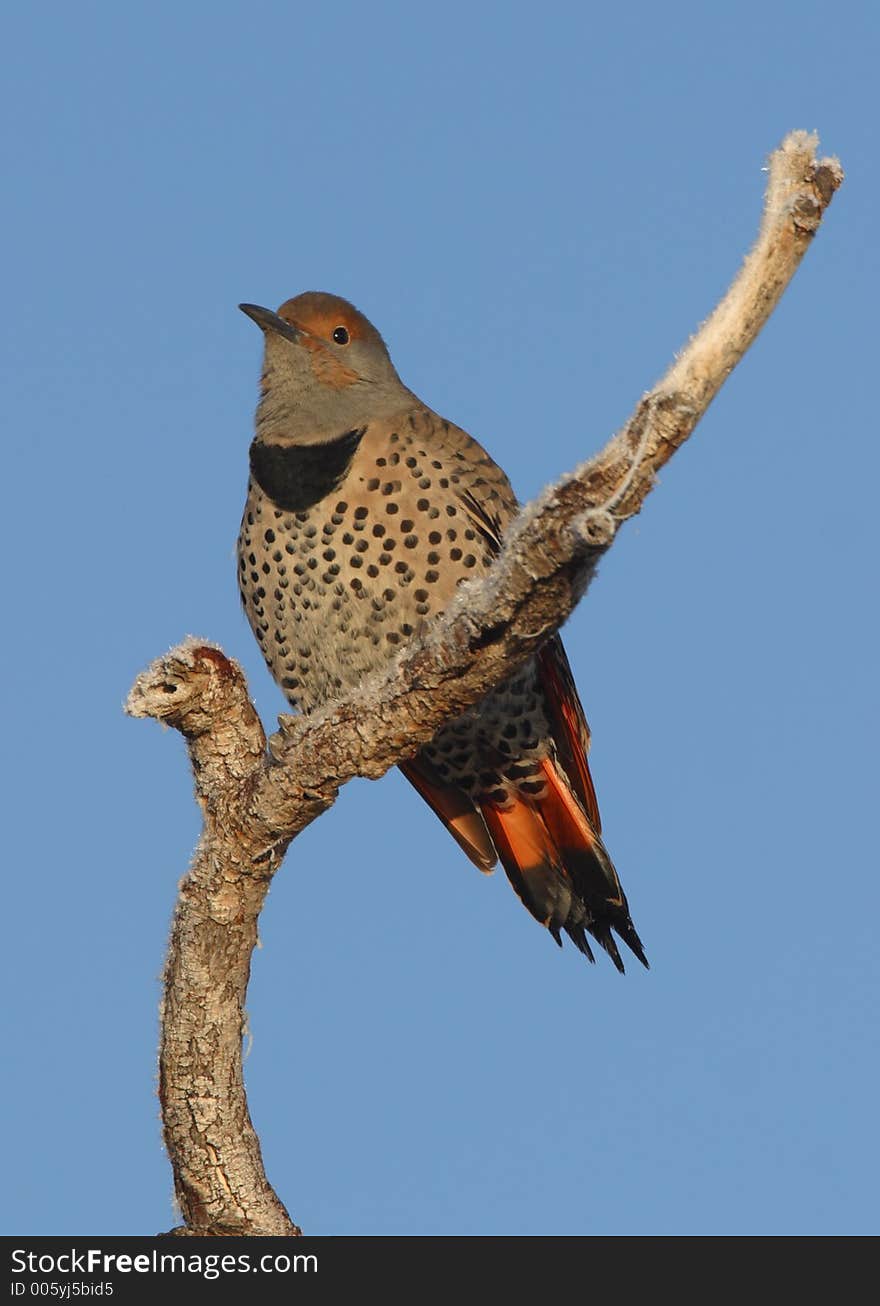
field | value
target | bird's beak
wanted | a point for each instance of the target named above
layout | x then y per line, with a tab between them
266	320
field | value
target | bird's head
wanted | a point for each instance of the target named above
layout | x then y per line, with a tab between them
326	370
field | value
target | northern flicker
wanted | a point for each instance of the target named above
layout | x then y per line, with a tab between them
365	510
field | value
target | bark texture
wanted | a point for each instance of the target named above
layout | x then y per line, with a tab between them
256	798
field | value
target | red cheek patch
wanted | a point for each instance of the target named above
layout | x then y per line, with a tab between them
326	367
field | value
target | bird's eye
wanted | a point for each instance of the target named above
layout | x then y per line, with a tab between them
341	336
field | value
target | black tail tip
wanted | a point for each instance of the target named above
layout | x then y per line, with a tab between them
602	933
634	943
579	939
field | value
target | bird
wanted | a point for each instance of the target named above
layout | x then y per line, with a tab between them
365	511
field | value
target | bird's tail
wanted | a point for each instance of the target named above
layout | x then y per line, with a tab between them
557	863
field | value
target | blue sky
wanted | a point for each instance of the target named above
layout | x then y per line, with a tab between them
536	207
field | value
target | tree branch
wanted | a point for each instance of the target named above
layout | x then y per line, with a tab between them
255	802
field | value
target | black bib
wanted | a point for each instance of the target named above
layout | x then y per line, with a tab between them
296	477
